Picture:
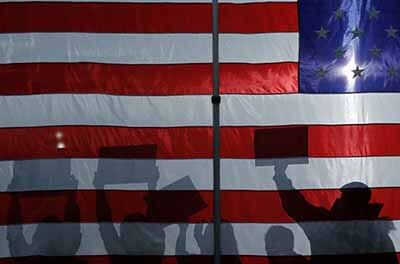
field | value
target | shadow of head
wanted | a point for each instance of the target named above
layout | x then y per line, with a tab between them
52	239
354	203
279	241
355	194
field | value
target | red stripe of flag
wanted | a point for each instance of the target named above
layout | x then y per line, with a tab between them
266	206
192	142
237	206
274	78
372	258
86	141
323	141
105	17
110	259
41	78
64	206
189	259
258	18
146	17
188	79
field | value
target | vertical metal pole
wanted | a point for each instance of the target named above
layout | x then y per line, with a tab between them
216	99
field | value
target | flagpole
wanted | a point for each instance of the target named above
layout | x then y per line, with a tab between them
216	99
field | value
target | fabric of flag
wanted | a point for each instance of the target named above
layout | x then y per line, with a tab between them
350	50
106	130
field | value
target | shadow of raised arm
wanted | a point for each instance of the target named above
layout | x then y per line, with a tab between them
294	203
109	234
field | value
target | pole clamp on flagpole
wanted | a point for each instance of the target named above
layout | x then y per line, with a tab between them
216	99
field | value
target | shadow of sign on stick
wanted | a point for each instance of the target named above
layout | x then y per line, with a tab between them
288	144
178	200
127	164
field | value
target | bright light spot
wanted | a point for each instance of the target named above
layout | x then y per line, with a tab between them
59	135
347	71
60	145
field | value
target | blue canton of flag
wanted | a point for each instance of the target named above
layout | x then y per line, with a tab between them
349	46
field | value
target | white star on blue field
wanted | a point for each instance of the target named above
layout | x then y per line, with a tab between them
355	42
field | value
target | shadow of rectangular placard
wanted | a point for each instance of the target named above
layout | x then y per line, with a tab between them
129	152
289	143
127	164
171	202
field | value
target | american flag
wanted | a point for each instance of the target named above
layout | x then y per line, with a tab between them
106	130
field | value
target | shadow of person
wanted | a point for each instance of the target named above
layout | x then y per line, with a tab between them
204	235
50	260
279	244
136	238
350	230
141	238
142	235
51	238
